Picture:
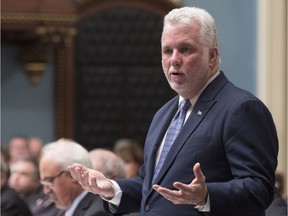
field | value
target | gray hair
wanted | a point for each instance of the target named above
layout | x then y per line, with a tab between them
65	152
108	163
188	15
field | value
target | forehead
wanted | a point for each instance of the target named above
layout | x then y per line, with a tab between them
23	166
177	32
18	142
47	167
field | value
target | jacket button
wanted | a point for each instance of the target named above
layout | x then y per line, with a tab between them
147	208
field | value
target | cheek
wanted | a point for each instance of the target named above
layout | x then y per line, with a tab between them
197	65
164	64
25	183
165	67
63	191
60	195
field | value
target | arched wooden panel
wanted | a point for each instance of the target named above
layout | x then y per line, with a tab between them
119	82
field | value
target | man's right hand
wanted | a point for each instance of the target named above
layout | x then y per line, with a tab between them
92	180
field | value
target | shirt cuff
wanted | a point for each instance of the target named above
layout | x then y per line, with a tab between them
204	208
118	194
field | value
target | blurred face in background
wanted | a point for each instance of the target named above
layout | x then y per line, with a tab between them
24	178
131	169
35	145
18	147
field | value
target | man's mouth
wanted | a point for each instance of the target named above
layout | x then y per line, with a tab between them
175	73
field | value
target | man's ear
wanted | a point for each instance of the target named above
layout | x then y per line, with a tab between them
213	55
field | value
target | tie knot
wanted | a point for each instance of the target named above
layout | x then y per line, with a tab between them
184	105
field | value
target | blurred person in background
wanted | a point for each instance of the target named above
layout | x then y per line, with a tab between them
108	163
11	203
17	147
5	156
132	154
25	180
63	190
35	145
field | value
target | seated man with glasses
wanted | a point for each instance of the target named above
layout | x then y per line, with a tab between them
62	189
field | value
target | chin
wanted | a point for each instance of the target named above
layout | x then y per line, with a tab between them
178	88
59	206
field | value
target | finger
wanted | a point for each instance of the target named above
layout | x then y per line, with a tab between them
182	187
155	187
76	171
74	165
94	185
71	170
165	195
86	179
168	194
199	176
173	196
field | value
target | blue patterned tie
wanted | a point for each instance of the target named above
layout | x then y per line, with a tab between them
172	133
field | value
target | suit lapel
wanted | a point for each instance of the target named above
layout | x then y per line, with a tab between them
83	205
159	134
200	110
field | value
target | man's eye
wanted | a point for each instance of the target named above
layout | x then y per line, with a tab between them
48	179
185	50
167	51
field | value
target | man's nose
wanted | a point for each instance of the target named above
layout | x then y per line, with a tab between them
46	189
176	60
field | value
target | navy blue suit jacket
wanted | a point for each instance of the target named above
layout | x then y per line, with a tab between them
232	134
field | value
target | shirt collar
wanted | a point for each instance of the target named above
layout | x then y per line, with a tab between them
194	99
75	203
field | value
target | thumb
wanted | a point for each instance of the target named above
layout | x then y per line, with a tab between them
199	176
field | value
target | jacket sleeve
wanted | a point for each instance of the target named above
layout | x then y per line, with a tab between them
251	146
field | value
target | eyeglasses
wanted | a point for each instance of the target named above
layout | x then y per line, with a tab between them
48	181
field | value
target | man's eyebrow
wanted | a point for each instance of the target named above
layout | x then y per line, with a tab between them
165	47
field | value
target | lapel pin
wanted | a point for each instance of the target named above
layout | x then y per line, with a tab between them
199	113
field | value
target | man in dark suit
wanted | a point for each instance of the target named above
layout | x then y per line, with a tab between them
62	189
223	160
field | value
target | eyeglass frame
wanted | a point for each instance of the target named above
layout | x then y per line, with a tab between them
48	181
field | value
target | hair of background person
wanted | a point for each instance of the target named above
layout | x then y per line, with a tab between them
129	150
65	152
